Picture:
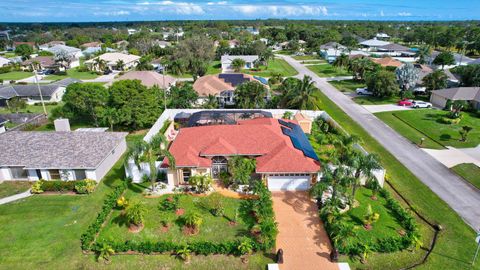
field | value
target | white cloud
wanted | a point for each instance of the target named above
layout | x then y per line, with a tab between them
282	10
182	8
220	3
112	13
404	14
381	13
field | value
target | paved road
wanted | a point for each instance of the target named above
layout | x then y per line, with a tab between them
463	198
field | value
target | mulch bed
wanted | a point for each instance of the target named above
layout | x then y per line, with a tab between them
135	228
179	211
187	230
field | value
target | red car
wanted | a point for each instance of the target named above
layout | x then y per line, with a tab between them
405	102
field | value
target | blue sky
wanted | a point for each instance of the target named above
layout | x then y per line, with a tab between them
133	10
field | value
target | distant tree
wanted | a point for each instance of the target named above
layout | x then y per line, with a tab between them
85	100
300	94
196	52
24	50
342	61
444	59
176	67
182	97
250	95
266	56
382	83
120	65
238	64
16	104
63	58
109	116
144	63
469	75
435	80
423	54
407	76
361	66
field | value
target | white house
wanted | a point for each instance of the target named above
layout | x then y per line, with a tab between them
59	155
373	44
227	60
3	121
4	61
74	53
111	59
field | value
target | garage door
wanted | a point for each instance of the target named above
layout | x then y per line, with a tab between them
276	183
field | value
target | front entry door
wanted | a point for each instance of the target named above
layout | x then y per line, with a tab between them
219	165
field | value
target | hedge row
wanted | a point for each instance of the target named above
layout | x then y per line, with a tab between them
80	186
88	237
384	245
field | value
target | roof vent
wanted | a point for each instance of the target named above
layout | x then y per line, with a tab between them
62	124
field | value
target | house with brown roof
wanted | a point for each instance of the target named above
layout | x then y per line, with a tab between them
51	44
284	157
387	62
440	97
40	63
221	86
149	78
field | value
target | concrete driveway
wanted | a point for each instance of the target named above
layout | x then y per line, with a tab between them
460	196
301	235
385	108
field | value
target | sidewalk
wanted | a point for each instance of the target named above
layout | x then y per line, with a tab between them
16	197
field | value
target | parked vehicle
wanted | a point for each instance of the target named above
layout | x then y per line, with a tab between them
421	104
405	102
49	72
363	91
106	72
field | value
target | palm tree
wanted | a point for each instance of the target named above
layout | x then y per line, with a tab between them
151	152
105	252
266	56
363	165
238	64
176	67
211	102
423	54
341	61
120	64
99	64
305	98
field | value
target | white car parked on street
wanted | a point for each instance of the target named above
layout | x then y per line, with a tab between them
363	91
421	104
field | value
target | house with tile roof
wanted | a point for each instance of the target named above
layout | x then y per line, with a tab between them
226	61
284	157
149	78
221	86
59	155
440	97
387	62
111	59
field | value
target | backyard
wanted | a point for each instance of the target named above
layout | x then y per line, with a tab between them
9	188
15	75
275	66
327	71
470	172
426	122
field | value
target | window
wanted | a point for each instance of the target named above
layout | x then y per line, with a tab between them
186	175
80	174
18	173
54	174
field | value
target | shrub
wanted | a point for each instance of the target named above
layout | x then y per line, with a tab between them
193	220
449	121
5	69
58	185
86	186
135	213
202	183
122	202
170	203
37	188
214	203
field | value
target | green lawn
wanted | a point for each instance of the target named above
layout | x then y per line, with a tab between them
214	68
469	172
347	85
426	122
73	73
306	57
386	225
274	66
212	229
455	245
327	70
31	109
15	75
9	188
407	131
43	232
371	100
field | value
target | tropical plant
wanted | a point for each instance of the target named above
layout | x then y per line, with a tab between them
456	109
150	153
250	95
382	83
135	213
120	65
370	217
365	251
342	61
170	203
266	56
144	63
37	188
86	186
16	104
181	96
214	203
211	102
184	254
287	115
245	247
104	252
423	54
435	80
464	132
360	67
122	202
24	50
407	76
238	64
241	170
363	166
444	59
193	220
176	67
109	116
99	64
201	182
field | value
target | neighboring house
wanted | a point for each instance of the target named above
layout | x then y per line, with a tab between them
221	86
40	63
50	44
59	155
4	61
264	40
475	62
233	43
73	52
387	62
284	157
93	50
18	43
94	44
227	60
395	50
3	122
111	59
440	97
460	59
50	92
149	78
373	44
332	45
121	45
132	31
161	43
382	36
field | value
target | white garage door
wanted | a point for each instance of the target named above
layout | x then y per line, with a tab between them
276	183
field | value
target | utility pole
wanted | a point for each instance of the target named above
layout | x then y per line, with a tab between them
39	90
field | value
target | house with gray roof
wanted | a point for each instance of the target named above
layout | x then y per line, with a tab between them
59	155
227	60
29	92
440	97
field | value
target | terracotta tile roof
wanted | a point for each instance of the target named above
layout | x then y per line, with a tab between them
261	137
214	85
387	62
148	78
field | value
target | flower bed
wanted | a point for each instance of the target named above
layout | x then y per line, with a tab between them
78	186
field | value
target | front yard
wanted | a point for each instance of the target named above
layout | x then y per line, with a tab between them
327	71
275	66
470	172
426	122
348	86
73	73
9	188
15	75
